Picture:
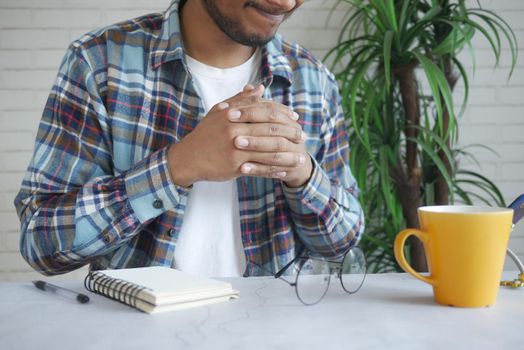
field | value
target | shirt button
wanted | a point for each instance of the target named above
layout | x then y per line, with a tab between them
158	204
107	238
171	232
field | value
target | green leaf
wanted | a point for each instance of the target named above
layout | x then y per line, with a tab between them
441	143
391	15
494	30
479	145
388	38
464	195
434	11
377	242
405	13
464	76
382	14
427	149
486	34
508	33
486	183
439	87
455	39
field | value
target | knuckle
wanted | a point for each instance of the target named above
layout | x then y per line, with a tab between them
273	113
280	144
298	134
268	110
214	108
273	129
233	102
254	99
247	114
251	114
276	157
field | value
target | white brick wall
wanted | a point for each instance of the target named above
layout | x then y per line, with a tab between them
35	33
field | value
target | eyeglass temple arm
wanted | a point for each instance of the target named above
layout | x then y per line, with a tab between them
284	269
270	272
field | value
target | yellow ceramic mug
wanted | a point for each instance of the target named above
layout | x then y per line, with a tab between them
465	248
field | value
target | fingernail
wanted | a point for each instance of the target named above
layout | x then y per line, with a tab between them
303	136
295	116
249	87
223	105
281	174
234	115
246	168
242	142
301	159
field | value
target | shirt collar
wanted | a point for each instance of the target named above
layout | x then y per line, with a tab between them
168	46
277	61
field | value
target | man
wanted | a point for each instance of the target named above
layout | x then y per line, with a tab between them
195	139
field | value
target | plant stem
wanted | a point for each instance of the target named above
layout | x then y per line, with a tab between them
408	181
441	187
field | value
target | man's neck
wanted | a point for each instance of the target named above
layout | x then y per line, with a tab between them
205	42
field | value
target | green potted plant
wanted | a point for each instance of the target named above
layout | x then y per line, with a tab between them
397	65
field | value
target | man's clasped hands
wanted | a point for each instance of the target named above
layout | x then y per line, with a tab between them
244	135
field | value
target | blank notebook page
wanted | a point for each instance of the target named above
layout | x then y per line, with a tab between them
166	282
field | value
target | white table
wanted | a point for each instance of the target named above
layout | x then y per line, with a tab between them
391	311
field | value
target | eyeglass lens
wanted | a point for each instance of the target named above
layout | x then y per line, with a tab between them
353	270
312	281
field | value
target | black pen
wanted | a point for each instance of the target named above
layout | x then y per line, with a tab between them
81	298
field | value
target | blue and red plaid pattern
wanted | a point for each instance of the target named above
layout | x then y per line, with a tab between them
98	189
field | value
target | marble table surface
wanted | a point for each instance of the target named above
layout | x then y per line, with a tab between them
391	311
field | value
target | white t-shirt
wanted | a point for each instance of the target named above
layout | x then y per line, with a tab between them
210	242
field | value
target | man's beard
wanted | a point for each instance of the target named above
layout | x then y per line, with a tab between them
233	29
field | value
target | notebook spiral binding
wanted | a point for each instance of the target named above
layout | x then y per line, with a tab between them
113	288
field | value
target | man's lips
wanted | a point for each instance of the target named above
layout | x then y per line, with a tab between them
271	14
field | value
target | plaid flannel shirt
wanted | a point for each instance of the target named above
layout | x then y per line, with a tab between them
98	188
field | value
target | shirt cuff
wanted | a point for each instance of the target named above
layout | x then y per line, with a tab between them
314	196
150	189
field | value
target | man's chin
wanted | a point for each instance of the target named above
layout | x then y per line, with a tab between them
254	40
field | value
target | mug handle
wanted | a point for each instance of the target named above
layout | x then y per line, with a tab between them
400	241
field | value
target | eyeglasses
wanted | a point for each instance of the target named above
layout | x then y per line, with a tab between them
312	275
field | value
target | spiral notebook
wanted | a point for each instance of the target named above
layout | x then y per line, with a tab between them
158	289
